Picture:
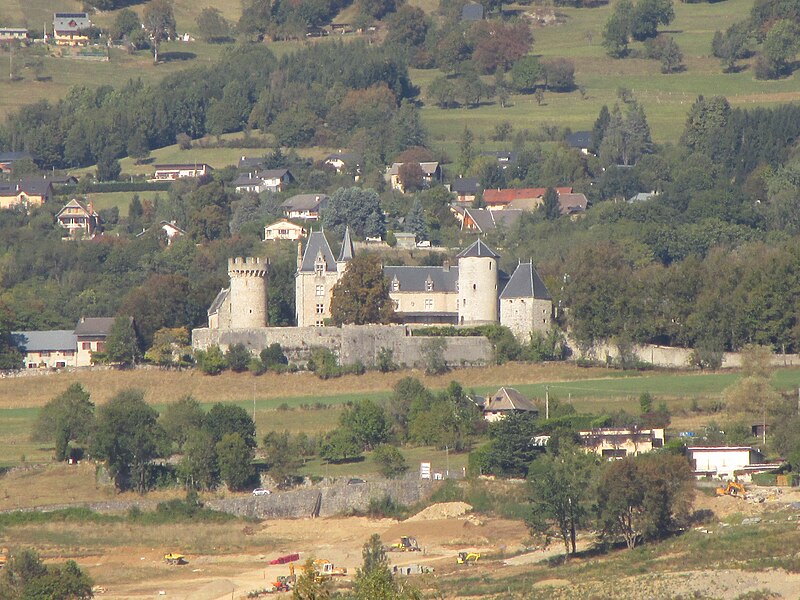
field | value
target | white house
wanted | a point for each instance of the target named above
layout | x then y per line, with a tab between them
305	206
284	230
614	443
506	401
727	462
173	172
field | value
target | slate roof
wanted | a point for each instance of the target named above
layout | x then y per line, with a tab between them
641	197
505	196
428	168
34	186
348	158
478	249
246	162
579	139
414	279
218	300
465	185
502	156
472	11
509	399
317	243
10	157
182	166
306	202
246	179
75	203
94	326
348	251
273	174
525	283
488	220
37	341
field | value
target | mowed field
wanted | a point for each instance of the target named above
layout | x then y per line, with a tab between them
301	402
578	36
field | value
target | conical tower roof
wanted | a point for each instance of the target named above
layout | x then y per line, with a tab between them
348	251
478	249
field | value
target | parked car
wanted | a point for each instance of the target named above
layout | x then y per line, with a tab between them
261	492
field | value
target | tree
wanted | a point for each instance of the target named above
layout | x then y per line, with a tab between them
237	357
551	206
664	49
138	146
559	74
648	15
442	92
159	22
361	296
69	417
273	357
211	361
283	456
645	497
510	452
128	438
26	577
125	23
339	445
223	419
707	120
367	423
411	176
374	580
390	460
235	460
309	586
732	45
170	347
466	151
753	394
415	221
122	347
213	27
108	167
359	209
780	47
617	31
499	44
432	352
407	27
181	418
526	73
452	51
198	466
560	488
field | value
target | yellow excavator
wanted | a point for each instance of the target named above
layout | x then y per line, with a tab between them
465	557
174	559
406	544
733	488
324	569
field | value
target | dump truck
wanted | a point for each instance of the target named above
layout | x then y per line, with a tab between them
465	557
405	544
174	559
733	488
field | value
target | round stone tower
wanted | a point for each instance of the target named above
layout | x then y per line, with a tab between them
248	295
477	285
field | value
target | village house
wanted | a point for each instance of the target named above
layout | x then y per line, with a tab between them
7	160
29	192
614	443
248	163
169	230
307	207
504	158
572	204
345	162
47	349
431	173
727	462
79	219
483	220
69	29
504	402
284	230
268	180
471	12
13	34
580	140
91	334
181	171
466	190
522	198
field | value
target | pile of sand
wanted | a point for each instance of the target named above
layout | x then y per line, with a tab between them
443	510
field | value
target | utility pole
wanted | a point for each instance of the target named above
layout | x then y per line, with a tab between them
547	402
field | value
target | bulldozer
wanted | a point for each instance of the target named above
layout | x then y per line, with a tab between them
465	557
733	488
174	559
406	544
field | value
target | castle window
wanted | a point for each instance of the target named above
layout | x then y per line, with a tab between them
395	285
320	309
319	323
429	285
320	290
428	303
396	304
490	266
319	268
474	286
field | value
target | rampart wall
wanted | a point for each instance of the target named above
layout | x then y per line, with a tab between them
350	343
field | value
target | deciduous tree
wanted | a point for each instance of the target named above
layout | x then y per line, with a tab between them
361	296
69	417
235	460
159	21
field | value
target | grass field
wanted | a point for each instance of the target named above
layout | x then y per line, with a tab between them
301	402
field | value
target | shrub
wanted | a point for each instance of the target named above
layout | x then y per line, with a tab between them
390	461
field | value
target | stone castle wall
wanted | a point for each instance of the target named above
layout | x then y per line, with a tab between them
350	343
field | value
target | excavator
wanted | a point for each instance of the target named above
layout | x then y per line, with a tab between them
324	569
406	544
174	559
465	557
733	488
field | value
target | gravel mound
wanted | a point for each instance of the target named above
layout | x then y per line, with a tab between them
443	510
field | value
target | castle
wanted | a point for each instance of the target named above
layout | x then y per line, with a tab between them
474	291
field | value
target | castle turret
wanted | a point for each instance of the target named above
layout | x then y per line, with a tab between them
248	292
477	285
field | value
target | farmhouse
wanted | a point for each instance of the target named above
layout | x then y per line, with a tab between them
504	402
483	220
466	189
79	219
26	192
521	198
305	206
284	230
69	29
431	173
727	462
47	349
7	160
91	334
615	443
345	162
181	171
